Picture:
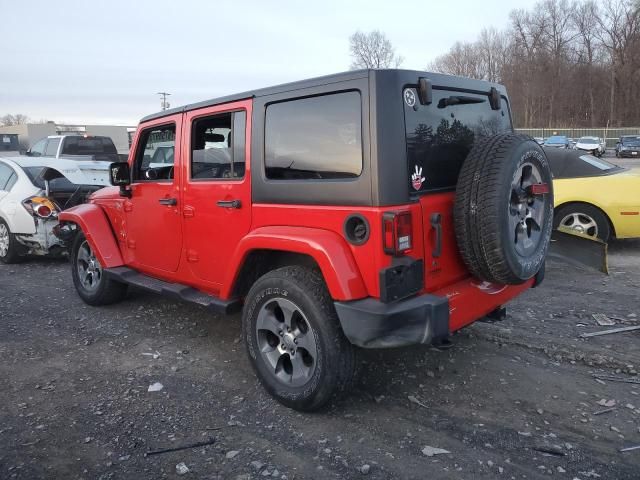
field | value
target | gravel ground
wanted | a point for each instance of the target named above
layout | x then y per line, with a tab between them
514	399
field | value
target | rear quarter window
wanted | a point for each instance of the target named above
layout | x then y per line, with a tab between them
314	138
88	146
440	136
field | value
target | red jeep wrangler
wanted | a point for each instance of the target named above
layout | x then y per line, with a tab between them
374	209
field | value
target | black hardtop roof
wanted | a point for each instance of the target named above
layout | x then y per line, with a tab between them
408	76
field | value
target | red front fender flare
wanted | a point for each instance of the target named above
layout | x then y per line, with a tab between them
327	248
96	228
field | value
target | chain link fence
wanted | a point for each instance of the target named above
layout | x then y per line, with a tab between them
611	135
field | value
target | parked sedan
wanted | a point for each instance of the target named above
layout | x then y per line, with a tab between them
628	146
32	193
557	141
592	145
593	196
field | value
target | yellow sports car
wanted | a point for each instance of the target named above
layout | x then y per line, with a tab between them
593	196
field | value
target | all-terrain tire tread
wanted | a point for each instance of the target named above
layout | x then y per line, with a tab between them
479	204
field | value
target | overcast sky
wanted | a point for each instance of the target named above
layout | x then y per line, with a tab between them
103	61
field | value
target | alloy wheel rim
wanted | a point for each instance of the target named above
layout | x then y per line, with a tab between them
4	240
286	342
88	268
526	211
580	222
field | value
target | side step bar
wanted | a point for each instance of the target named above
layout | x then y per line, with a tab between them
173	290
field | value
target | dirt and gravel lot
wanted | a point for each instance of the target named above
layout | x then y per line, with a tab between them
514	399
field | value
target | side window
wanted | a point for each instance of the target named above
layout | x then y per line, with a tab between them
5	174
12	181
52	147
314	138
217	147
38	149
155	154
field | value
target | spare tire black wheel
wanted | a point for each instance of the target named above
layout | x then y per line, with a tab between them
503	209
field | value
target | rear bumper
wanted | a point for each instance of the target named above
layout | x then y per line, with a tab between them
369	323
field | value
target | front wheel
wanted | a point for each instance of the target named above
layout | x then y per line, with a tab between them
88	276
294	339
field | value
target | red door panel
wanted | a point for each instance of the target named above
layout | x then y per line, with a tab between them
154	223
217	196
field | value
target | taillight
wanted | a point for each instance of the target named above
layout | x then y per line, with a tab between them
43	211
40	207
396	232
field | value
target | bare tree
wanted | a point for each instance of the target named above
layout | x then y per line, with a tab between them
492	49
565	62
372	50
462	60
619	23
585	17
17	119
558	36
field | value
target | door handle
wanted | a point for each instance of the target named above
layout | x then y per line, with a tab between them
229	203
170	202
436	224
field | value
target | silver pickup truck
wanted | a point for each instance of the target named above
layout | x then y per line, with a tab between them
93	154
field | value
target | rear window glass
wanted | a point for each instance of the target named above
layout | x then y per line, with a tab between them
88	146
314	138
440	135
574	163
57	184
596	162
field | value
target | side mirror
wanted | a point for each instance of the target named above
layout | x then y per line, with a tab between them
120	176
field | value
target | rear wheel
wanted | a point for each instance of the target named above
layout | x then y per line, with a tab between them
88	276
11	251
294	339
585	219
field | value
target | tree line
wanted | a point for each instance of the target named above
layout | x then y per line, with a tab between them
565	63
17	119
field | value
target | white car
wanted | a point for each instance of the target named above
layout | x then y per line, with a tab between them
32	193
593	145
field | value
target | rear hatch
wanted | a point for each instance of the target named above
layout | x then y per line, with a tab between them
439	137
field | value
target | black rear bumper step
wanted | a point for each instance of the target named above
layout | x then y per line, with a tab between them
175	290
369	323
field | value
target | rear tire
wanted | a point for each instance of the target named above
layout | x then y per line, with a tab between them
88	277
11	251
585	219
294	339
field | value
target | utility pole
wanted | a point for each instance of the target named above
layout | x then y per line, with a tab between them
163	102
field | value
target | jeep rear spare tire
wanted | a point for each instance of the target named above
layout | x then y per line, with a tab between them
503	209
